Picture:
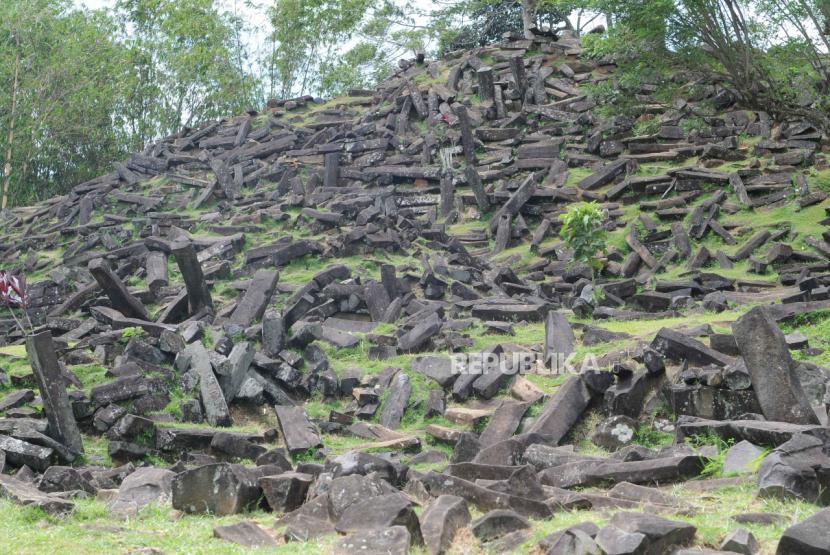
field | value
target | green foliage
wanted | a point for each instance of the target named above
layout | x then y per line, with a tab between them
651	438
583	232
713	467
131	332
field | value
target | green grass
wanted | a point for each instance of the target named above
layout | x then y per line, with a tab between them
90	529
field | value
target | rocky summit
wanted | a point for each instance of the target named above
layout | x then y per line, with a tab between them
356	326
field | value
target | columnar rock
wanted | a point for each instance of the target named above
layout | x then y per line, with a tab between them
218	489
559	339
772	369
441	520
253	303
121	299
396	401
298	433
52	386
198	293
156	265
142	487
563	410
216	407
287	491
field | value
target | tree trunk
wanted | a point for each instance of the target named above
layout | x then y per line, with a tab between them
7	169
528	17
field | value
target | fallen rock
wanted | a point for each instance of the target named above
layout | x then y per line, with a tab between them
219	489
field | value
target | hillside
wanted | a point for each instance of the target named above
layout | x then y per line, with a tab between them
260	325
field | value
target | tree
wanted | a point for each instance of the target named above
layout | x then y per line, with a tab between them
60	71
187	64
584	233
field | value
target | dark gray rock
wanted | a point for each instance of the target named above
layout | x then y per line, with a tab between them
297	432
808	537
615	432
741	541
441	520
26	495
220	489
798	469
742	458
379	512
247	534
772	369
497	523
144	486
287	491
395	540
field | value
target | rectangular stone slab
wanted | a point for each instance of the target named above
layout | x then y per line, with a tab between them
563	410
50	381
121	299
296	430
772	369
253	303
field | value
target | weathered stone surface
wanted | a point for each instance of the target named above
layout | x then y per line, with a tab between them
220	489
742	458
56	405
384	541
144	486
381	512
441	520
298	433
772	369
198	293
798	469
287	491
121	299
248	534
808	537
563	410
253	303
213	400
396	401
661	534
20	453
741	541
26	495
497	523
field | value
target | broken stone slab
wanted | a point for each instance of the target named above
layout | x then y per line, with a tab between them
56	404
396	401
296	430
287	491
563	410
483	498
798	469
740	541
559	339
252	306
653	471
22	453
198	293
772	369
661	534
219	489
383	511
808	537
759	432
504	422
118	321
678	346
395	540
141	488
441	520
233	371
437	368
497	523
26	495
247	534
213	400
121	299
742	458
603	176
